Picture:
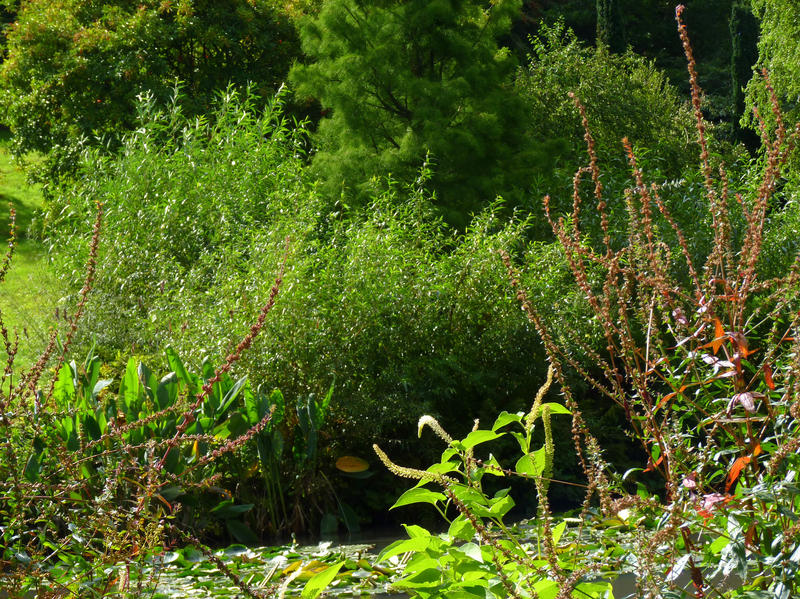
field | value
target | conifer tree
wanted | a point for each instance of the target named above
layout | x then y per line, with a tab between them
610	30
744	54
402	79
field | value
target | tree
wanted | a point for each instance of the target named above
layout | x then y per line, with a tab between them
779	54
744	54
75	67
402	78
610	30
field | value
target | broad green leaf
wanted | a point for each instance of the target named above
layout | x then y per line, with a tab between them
227	509
413	531
501	507
493	467
177	366
472	551
31	471
404	546
167	390
461	528
557	408
531	464
558	531
231	396
429	577
418	495
320	581
505	418
129	390
64	388
478	437
546	589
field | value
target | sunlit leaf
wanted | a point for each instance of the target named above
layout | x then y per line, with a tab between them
320	581
418	495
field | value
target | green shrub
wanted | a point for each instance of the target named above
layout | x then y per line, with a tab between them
622	93
74	69
389	300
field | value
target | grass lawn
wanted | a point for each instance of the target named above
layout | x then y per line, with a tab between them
29	294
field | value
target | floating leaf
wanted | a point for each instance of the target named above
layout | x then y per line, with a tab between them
349	463
320	581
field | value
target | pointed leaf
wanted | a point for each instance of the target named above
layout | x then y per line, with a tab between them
418	495
735	471
478	437
319	582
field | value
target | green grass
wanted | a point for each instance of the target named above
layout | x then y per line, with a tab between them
30	292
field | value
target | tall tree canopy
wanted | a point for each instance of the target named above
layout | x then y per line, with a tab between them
779	53
402	78
75	67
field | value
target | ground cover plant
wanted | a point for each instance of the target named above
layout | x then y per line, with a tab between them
702	359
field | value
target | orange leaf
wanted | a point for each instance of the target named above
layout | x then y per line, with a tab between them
757	451
735	471
651	466
768	377
719	335
750	536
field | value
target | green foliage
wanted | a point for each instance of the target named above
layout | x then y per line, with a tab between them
74	69
390	301
623	95
82	462
778	52
403	79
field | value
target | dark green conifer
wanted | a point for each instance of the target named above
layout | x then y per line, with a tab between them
404	78
744	54
610	28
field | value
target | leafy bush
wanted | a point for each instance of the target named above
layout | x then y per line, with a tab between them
74	69
389	300
621	93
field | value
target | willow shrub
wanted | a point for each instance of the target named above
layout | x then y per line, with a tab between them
399	309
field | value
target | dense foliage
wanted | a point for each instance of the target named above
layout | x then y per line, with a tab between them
74	69
405	79
388	300
665	297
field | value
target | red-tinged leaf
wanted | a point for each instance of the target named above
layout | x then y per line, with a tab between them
750	536
704	513
652	466
719	335
768	377
735	471
665	399
757	451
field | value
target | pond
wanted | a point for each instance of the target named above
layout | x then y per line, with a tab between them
189	573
